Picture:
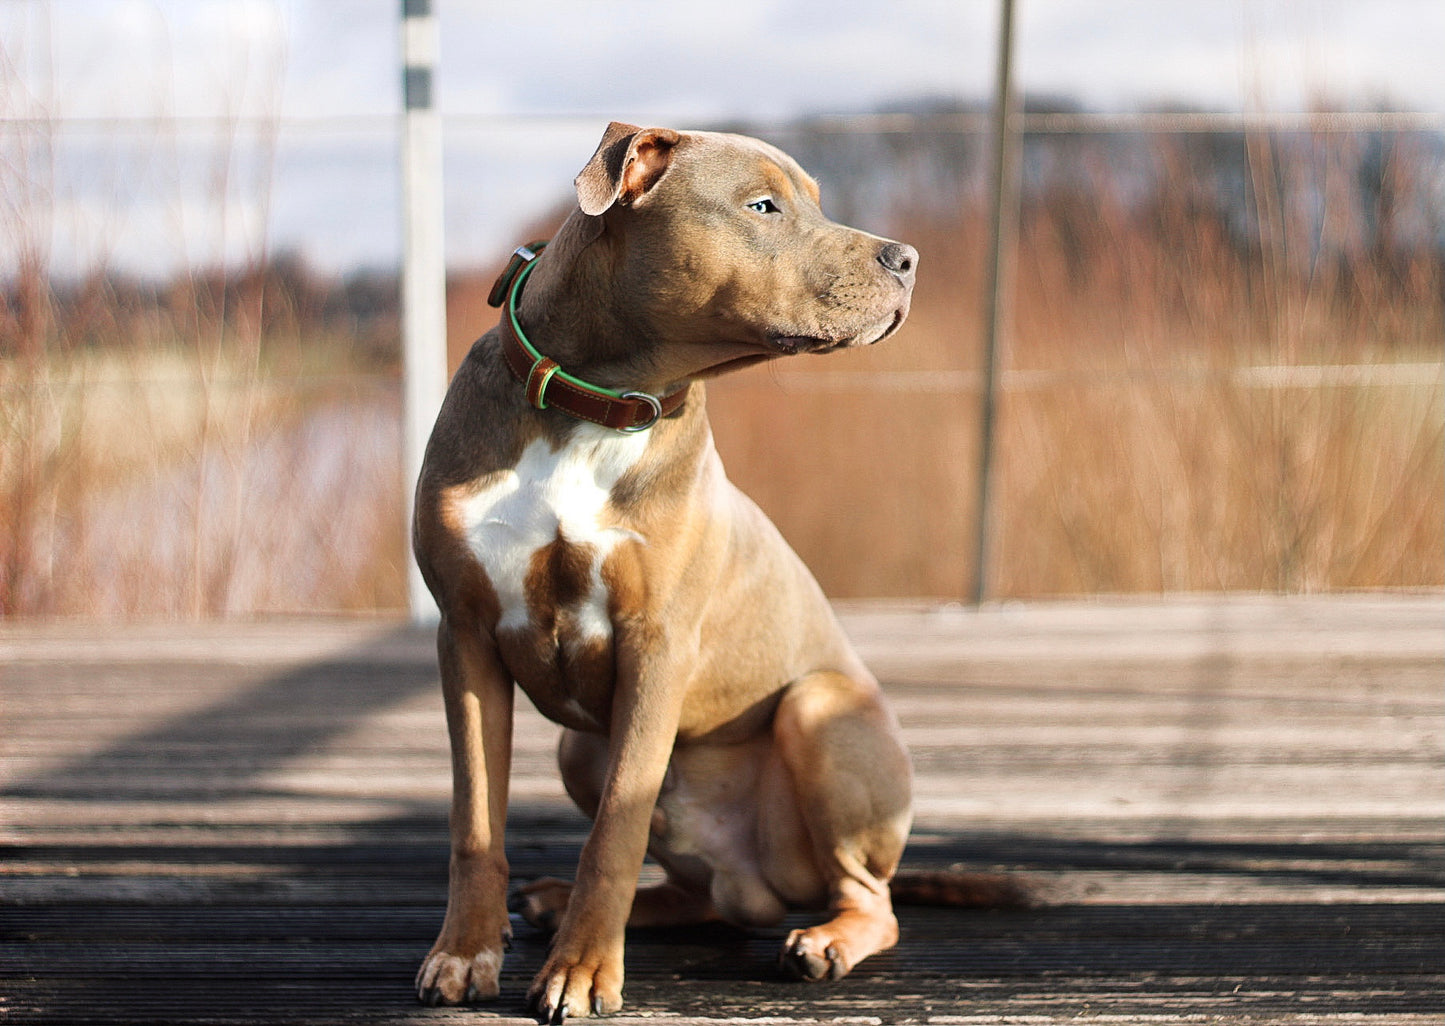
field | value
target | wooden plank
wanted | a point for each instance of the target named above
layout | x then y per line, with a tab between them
1235	807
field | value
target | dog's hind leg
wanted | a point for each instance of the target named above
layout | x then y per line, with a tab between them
850	776
582	759
542	903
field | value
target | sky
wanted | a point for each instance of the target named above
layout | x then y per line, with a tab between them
289	107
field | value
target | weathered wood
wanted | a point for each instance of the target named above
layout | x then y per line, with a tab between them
1236	808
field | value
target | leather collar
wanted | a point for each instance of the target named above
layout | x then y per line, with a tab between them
548	385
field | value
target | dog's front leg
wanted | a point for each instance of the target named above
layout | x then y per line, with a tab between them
466	960
583	973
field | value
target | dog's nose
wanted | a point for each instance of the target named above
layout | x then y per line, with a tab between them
899	259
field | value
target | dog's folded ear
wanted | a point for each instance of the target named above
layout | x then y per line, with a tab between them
628	162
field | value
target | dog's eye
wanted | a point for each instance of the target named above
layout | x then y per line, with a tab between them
763	206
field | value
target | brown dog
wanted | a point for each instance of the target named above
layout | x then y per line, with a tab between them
575	525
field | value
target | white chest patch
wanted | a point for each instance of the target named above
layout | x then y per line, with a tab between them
551	494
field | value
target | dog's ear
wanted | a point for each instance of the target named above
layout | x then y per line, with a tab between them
628	162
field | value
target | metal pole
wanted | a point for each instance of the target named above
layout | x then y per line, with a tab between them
1003	214
423	292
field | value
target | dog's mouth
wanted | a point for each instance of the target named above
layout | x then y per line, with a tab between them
792	345
894	324
779	344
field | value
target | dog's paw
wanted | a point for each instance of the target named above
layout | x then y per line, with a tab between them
577	988
541	902
815	955
447	979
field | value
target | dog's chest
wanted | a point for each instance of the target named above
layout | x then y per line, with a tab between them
543	530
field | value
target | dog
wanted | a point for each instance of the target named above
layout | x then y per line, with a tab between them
574	523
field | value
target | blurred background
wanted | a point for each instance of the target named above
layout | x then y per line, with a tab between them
1224	328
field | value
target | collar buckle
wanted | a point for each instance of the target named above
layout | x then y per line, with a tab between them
521	257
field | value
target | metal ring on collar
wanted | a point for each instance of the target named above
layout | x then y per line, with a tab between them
653	402
537	380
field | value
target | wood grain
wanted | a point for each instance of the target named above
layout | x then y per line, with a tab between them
1235	806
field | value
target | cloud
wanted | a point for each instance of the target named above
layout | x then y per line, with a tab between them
1265	54
527	89
758	58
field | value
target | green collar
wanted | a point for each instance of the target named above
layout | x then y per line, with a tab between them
547	384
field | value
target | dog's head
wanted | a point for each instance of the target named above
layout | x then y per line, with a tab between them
719	242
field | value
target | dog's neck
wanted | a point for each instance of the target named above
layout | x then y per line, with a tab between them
608	344
613	344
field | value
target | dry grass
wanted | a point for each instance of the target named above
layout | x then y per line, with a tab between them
163	483
1122	486
208	458
1139	450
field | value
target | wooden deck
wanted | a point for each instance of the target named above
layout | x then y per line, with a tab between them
1236	807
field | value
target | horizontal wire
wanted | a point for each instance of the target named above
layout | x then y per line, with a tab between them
894	382
963	122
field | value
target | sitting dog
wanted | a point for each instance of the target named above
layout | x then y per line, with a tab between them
575	525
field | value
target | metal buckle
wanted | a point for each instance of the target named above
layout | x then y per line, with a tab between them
537	380
652	401
521	257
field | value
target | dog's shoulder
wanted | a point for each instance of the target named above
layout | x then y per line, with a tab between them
480	428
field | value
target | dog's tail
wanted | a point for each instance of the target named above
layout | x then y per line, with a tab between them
956	888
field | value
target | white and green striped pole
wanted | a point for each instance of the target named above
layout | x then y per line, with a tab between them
423	289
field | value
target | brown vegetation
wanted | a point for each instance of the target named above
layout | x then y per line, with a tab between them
225	445
1195	396
1164	424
